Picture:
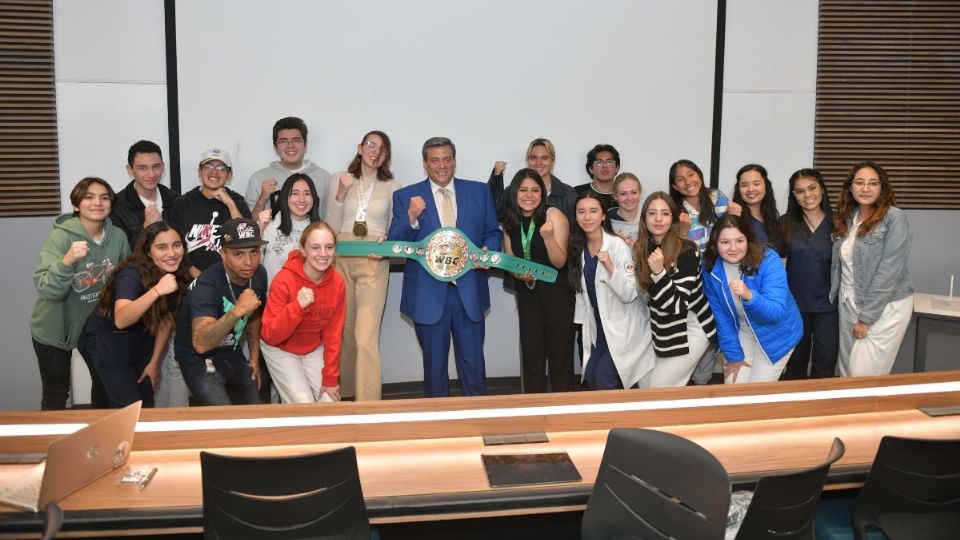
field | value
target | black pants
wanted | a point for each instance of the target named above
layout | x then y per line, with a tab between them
54	366
546	334
818	347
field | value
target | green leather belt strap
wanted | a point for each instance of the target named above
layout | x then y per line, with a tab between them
446	254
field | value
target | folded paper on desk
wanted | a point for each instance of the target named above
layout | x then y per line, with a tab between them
522	469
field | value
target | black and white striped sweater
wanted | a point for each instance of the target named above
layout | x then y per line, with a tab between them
671	298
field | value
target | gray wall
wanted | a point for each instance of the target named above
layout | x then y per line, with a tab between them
20	381
933	258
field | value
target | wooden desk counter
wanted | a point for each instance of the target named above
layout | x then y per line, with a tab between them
416	477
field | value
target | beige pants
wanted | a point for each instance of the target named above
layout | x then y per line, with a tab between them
366	284
298	378
876	353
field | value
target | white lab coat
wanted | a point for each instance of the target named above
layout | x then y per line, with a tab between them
623	311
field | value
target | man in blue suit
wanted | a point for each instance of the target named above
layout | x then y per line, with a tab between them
438	308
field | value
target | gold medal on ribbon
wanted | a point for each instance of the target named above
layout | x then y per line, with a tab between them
360	229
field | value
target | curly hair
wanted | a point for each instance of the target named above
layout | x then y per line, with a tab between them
792	220
166	308
847	204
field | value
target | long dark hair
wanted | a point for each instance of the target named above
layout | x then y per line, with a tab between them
280	202
578	240
792	221
707	214
673	244
511	219
751	262
768	205
383	172
166	308
846	204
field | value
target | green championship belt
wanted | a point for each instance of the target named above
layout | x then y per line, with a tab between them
447	254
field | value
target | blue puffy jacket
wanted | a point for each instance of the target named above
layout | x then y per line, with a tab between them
772	312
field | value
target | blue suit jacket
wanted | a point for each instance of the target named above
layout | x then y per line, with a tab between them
423	296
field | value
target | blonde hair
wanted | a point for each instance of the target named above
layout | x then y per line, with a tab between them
540	141
623	177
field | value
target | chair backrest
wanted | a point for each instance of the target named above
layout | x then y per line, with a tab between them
307	496
656	485
912	491
784	505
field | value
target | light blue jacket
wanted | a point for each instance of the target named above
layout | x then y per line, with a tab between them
880	274
771	312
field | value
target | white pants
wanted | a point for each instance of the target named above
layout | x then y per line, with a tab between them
676	370
760	369
874	354
297	378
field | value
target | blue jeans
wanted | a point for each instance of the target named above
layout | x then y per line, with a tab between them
228	382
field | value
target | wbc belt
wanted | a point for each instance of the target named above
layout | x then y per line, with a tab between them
446	254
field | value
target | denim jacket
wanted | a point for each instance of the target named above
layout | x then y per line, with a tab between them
879	263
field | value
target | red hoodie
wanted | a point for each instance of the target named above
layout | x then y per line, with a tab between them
296	330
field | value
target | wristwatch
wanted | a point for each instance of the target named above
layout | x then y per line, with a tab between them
446	254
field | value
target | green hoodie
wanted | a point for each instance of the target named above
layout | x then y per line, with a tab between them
67	294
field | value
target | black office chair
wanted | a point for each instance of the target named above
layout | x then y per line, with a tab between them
912	491
655	485
784	505
309	496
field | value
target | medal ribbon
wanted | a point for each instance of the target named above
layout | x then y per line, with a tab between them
526	239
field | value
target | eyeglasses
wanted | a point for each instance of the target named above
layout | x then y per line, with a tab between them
860	184
811	189
296	141
211	166
602	162
370	145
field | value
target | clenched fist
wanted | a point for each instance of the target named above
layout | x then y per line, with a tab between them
151	215
166	285
739	288
77	250
269	186
655	260
305	297
546	230
416	208
247	303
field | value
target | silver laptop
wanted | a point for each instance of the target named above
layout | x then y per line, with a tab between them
75	460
